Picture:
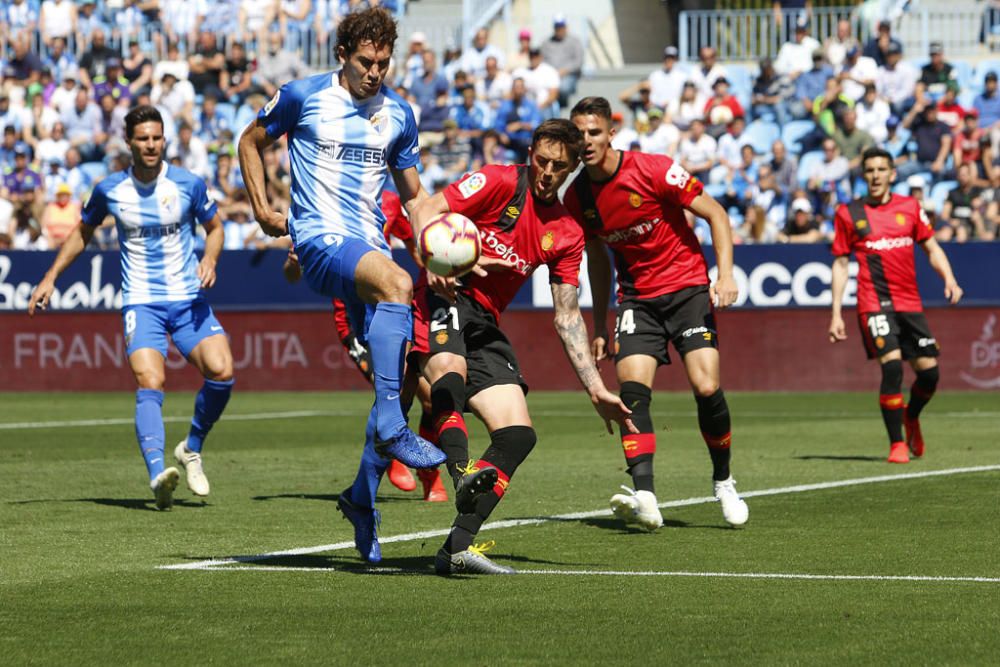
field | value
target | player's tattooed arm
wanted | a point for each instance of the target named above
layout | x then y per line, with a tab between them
573	332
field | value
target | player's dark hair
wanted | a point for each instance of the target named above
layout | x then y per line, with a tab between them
561	131
875	152
141	114
374	25
592	106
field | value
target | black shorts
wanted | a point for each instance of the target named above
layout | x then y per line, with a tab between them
467	329
684	318
888	331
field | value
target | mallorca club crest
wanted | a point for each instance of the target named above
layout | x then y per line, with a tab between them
900	219
634	200
548	241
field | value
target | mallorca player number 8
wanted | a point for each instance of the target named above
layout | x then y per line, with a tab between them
878	325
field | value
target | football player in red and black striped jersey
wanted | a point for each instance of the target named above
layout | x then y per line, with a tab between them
881	230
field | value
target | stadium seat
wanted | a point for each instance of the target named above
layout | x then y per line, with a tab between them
715	190
228	112
793	131
983	68
761	134
939	193
806	163
94	171
965	76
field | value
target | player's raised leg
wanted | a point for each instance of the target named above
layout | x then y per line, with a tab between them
702	367
921	392
638	504
505	413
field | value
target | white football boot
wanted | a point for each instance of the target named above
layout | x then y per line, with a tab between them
637	507
163	488
734	509
191	462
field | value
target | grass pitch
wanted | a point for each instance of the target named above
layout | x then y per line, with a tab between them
81	546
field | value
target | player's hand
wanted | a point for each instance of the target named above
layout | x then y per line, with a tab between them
487	264
206	273
611	409
953	293
445	287
599	346
837	331
292	269
724	292
40	295
273	224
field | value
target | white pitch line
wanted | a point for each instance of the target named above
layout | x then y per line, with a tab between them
574	516
631	573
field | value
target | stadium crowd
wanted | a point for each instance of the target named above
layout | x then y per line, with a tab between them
780	146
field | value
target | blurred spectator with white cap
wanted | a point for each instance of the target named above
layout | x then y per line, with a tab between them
802	227
413	67
564	52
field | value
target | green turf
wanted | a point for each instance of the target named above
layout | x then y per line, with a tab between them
80	543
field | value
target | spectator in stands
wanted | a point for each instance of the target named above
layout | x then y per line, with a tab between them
963	210
113	123
238	74
471	116
293	19
434	114
209	123
24	67
22	186
689	107
836	47
516	119
895	142
10	116
809	85
741	179
797	56
58	60
451	62
730	144
698	152
88	22
756	227
276	66
174	63
63	97
74	176
255	17
520	57
637	98
856	73
770	95
238	226
224	185
968	143
918	190
935	75
53	147
57	19
827	182
113	83
454	152
425	88
932	139
191	150
53	174
27	233
987	103
177	97
206	63
625	136
129	21
9	145
474	58
59	217
722	108
137	68
793	10
852	141
802	227
564	52
432	176
872	114
413	65
667	82
661	137
707	71
94	61
896	80
494	87
785	168
950	112
542	81
83	127
39	121
17	16
880	45
248	111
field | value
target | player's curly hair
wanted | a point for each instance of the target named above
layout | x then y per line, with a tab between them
592	106
561	131
143	113
374	25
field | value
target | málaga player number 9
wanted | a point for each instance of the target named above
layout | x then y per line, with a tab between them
449	245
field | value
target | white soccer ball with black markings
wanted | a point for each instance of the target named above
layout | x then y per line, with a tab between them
449	245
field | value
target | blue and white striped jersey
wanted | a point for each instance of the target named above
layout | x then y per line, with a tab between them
339	150
155	231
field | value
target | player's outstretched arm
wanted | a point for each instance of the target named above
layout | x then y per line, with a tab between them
70	250
214	237
573	333
253	141
599	274
838	282
724	292
411	194
939	262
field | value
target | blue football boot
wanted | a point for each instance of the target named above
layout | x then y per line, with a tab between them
365	522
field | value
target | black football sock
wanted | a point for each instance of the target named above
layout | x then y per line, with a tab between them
639	448
716	430
922	391
890	399
450	433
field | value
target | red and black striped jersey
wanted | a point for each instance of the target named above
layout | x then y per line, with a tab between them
639	214
882	240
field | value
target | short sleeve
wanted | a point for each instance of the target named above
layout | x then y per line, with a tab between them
923	229
281	113
405	150
480	193
565	269
674	183
203	206
842	232
96	210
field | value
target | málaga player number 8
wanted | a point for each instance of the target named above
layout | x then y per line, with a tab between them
449	245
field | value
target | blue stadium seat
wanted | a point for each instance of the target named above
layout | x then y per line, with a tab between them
761	134
806	163
939	193
94	171
965	76
715	190
793	131
228	112
983	68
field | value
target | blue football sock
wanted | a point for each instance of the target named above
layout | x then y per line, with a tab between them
373	466
208	407
390	329
149	428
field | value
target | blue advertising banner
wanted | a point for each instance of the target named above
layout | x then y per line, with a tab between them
768	276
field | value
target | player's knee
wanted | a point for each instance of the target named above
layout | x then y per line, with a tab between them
448	394
705	387
509	447
637	397
150	378
928	377
892	377
396	287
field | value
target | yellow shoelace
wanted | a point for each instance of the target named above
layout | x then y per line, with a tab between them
482	547
469	469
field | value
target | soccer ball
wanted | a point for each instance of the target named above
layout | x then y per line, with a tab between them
449	245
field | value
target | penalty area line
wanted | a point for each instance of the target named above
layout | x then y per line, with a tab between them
218	563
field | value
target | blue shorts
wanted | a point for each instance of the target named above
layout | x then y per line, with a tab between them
328	264
187	322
